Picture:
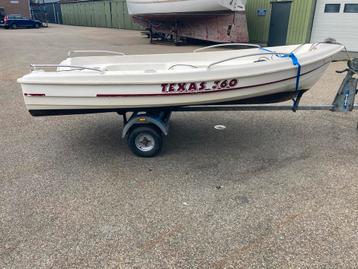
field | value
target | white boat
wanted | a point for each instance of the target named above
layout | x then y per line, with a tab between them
142	7
125	82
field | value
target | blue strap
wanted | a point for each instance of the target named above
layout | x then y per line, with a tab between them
295	62
264	49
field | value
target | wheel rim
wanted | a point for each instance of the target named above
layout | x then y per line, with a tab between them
145	142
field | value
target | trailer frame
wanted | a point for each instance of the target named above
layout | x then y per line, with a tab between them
146	129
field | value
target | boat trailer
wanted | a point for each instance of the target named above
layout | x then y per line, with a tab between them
145	130
218	26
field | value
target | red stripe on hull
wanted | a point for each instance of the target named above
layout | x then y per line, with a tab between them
34	94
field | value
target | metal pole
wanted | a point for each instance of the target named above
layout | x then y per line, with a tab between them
54	12
255	108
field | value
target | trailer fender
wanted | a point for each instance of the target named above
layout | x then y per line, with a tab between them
144	120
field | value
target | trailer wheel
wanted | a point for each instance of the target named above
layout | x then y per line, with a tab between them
145	141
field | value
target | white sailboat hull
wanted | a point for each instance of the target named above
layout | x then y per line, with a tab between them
142	7
171	80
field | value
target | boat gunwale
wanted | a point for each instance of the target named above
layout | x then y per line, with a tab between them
83	83
281	64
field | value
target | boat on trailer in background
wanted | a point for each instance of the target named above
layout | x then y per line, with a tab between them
210	20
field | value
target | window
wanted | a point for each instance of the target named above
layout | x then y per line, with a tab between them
351	8
332	8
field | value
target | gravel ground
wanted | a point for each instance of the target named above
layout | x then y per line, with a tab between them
272	190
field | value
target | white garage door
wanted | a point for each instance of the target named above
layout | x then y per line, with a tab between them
337	19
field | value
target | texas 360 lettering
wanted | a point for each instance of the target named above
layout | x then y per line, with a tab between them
203	86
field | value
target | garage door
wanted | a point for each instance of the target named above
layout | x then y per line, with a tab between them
337	19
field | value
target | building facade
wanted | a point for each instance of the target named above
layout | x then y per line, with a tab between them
280	22
106	13
15	7
338	20
275	22
46	11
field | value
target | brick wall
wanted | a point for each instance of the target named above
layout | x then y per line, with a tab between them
16	7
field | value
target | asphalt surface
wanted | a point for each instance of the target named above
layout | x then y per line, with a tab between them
272	190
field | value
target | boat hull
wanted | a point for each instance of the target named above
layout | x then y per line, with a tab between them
279	87
146	82
143	7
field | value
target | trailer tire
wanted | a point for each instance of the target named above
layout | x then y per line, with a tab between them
145	141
